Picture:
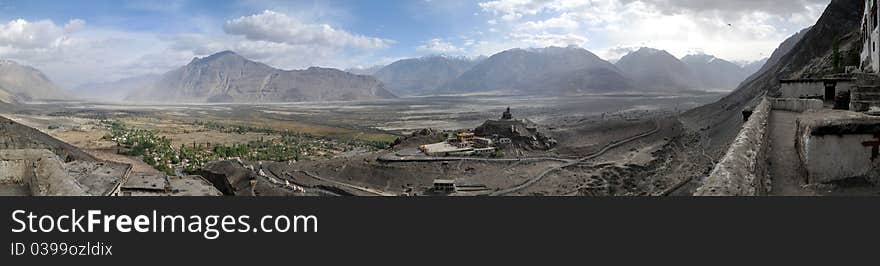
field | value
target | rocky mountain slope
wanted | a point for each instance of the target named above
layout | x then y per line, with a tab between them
227	77
541	71
20	83
657	70
754	67
423	75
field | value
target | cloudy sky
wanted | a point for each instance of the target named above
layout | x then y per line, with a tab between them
77	42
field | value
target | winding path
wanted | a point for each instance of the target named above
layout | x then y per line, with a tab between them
607	148
402	159
520	187
359	188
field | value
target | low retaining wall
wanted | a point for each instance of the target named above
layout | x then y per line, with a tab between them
795	105
743	169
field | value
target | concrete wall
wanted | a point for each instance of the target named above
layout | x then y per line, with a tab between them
805	89
813	89
743	169
839	145
795	105
836	157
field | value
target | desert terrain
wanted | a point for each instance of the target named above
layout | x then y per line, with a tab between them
608	144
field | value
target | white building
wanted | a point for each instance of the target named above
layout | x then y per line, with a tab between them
871	38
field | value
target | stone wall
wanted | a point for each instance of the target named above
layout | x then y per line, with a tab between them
44	173
795	105
12	171
743	169
863	98
14	135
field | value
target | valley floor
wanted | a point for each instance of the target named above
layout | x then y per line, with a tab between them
608	145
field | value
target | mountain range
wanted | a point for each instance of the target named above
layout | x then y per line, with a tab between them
716	73
227	77
562	71
540	71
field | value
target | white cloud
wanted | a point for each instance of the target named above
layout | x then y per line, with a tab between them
72	54
283	41
548	39
74	25
439	46
23	34
279	28
744	29
617	52
75	53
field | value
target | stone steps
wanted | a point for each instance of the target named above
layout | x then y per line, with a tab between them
863	97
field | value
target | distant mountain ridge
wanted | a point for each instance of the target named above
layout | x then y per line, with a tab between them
541	71
715	73
423	75
657	70
561	71
21	83
227	77
116	90
755	66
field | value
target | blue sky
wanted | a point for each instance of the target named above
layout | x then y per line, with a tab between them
77	42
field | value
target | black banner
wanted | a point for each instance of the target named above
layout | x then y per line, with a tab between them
546	231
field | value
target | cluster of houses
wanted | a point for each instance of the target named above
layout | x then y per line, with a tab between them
490	137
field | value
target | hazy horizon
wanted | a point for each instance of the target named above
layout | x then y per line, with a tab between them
81	42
